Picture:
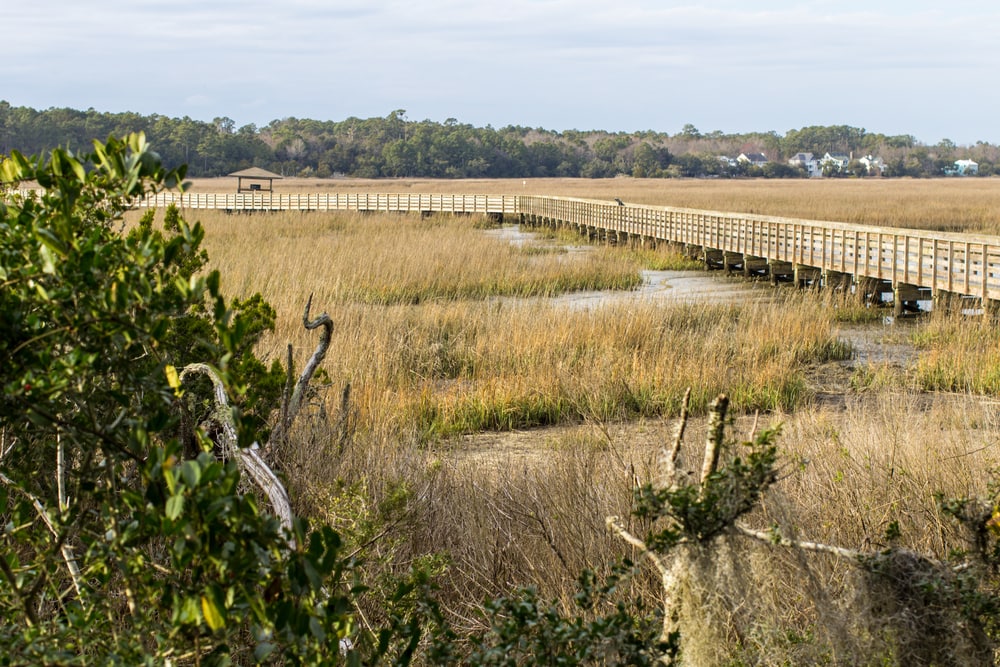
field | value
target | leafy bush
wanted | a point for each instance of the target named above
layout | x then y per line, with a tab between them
125	539
121	545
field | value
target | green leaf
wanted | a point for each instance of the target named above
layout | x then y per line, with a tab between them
191	472
175	507
48	263
262	651
316	629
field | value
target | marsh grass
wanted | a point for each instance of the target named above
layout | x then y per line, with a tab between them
445	368
847	308
663	257
959	354
502	520
395	259
462	360
427	341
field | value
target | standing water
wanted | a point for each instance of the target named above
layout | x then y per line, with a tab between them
878	342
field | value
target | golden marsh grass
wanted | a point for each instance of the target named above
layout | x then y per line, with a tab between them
393	259
454	360
959	354
425	343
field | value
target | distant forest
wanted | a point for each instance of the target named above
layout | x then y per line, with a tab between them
395	146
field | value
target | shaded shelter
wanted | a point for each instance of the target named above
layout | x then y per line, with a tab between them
255	178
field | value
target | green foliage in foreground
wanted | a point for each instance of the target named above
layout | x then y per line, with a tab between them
123	539
120	546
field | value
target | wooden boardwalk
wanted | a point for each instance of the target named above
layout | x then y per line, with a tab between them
401	203
913	265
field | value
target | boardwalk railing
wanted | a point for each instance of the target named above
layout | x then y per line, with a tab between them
403	203
909	261
946	263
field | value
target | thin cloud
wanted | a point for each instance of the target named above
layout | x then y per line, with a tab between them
552	63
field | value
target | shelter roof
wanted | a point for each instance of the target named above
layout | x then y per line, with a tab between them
255	172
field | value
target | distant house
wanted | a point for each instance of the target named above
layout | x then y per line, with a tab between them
807	162
727	161
753	159
873	165
835	161
963	168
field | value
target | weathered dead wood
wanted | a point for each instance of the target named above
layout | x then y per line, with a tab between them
66	550
670	458
678	565
295	393
249	458
674	565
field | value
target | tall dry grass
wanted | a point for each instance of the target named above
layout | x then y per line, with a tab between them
491	515
853	477
532	513
391	259
959	354
428	344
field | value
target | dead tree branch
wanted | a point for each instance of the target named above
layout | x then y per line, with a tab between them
247	458
775	538
68	555
670	458
294	396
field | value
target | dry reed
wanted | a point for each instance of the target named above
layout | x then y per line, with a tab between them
464	365
502	517
390	259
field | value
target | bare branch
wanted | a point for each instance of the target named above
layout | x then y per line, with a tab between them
317	357
69	557
286	395
341	428
222	414
714	438
294	403
60	474
614	523
670	575
261	473
774	537
247	458
670	460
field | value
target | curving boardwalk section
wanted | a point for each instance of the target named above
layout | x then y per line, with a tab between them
913	265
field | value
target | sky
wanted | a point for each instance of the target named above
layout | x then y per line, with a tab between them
927	68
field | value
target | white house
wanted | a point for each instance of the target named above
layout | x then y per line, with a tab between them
966	168
836	161
808	162
873	165
753	159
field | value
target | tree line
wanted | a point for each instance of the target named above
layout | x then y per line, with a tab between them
395	146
